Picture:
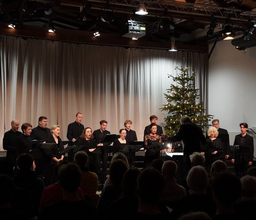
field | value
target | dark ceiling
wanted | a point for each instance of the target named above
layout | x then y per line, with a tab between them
191	24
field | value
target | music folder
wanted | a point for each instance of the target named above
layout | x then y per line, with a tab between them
135	145
110	138
47	147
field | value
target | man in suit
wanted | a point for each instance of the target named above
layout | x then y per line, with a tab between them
39	135
75	129
102	151
192	137
153	119
131	136
243	157
9	141
224	136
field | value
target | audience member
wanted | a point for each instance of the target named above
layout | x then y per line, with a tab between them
172	191
26	178
247	206
198	199
127	204
226	192
150	187
7	212
53	193
9	141
111	192
72	207
89	180
197	159
157	164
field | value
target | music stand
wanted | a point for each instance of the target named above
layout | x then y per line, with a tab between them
47	147
134	146
110	138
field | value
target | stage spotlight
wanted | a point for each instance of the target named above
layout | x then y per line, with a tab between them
141	10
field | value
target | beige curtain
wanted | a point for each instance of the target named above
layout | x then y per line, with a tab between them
58	79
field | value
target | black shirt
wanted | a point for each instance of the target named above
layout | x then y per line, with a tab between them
99	136
74	130
130	136
147	130
9	142
23	144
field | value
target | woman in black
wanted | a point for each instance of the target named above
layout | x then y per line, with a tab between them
152	145
120	143
86	143
53	155
23	143
214	148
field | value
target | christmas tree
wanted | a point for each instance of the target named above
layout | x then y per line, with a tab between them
183	99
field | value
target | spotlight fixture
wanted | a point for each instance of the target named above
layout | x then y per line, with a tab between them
11	25
83	14
173	47
134	38
51	29
228	32
213	25
96	34
141	10
249	32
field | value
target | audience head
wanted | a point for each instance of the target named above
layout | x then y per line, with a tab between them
157	164
153	119
196	159
185	119
25	162
217	168
212	132
70	177
7	166
169	169
26	129
248	187
195	216
150	186
251	171
79	117
121	156
128	124
87	134
15	124
216	123
42	121
57	168
81	158
6	190
116	172
129	182
197	179
103	125
226	189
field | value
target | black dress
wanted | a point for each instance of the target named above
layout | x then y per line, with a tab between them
152	147
50	164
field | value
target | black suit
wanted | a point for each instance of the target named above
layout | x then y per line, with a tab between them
224	136
131	136
193	138
103	153
74	131
9	142
39	134
244	154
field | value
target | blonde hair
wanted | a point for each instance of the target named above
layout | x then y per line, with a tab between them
216	133
54	127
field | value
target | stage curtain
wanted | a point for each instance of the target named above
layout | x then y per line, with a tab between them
58	79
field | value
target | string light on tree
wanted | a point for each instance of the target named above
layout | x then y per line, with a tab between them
183	99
